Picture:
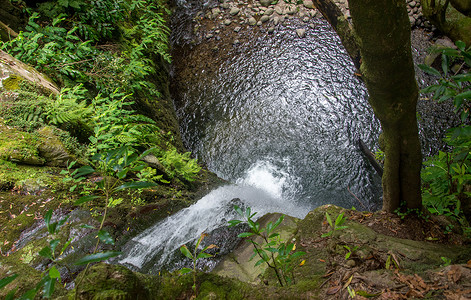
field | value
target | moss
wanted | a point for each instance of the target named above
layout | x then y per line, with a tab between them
18	146
11	83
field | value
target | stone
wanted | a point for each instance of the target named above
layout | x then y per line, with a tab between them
301	32
271	29
290	10
259	23
234	11
215	12
312	26
269	11
227	22
308	4
279	10
209	35
265	3
252	21
351	263
237	29
276	20
306	19
264	19
225	5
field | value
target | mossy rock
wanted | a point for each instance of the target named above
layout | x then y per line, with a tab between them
19	147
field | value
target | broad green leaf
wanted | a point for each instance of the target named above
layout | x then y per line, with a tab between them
445	63
327	234
47	218
85	199
136	185
184	250
429	70
11	294
101	256
297	254
185	271
54	273
46	252
82	171
329	220
29	295
105	237
245	234
340	220
278	222
65	246
54	244
341	227
273	235
259	262
203	255
461	45
272	250
233	223
5	281
48	288
238	210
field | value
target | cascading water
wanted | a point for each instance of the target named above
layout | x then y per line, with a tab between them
281	119
262	189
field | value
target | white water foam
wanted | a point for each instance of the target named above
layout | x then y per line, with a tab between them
262	189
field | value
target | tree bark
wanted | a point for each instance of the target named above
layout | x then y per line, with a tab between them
383	34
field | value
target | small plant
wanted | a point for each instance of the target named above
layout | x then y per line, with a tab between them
446	261
279	256
350	251
195	256
334	226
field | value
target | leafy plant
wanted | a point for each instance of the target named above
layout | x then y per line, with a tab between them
350	251
180	165
334	226
446	261
279	256
447	174
195	256
451	84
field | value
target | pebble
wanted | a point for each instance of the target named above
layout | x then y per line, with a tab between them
279	10
237	29
276	20
301	32
351	263
269	12
227	22
271	29
234	11
306	19
209	35
264	19
215	11
290	10
312	26
308	4
252	21
259	23
265	3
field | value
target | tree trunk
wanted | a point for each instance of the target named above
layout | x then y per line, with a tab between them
383	34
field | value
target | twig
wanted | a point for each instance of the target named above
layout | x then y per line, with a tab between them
348	188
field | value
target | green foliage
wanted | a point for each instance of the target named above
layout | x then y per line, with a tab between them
180	165
447	175
452	84
280	256
195	256
334	226
350	250
114	125
446	261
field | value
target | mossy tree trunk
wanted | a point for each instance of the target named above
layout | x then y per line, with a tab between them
383	34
